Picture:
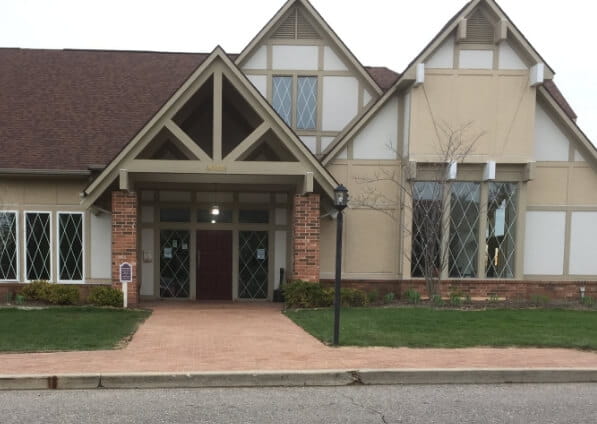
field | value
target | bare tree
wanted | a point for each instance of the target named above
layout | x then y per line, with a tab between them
427	203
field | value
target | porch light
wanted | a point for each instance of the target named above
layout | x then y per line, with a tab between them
340	197
215	210
213	221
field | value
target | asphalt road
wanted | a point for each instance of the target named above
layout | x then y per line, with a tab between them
565	403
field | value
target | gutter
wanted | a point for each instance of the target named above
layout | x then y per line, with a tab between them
46	172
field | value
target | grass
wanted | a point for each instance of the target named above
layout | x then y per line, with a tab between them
66	328
423	327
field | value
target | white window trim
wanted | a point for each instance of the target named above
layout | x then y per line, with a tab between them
25	243
17	247
82	280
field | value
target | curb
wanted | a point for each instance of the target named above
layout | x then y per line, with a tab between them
297	378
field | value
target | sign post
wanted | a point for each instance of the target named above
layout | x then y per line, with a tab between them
126	276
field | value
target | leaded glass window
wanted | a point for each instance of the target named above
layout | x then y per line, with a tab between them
282	97
8	246
464	229
426	229
502	211
306	103
37	246
70	246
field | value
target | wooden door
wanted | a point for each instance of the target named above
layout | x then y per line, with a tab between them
214	265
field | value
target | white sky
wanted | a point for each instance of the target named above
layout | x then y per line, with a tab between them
379	32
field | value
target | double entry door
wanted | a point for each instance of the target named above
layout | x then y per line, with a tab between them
214	259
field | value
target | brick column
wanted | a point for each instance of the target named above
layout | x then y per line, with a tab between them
124	239
306	231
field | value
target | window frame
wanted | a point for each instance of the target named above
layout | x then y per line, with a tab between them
51	240
17	246
83	250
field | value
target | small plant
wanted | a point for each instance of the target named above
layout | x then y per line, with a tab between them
105	296
412	296
493	298
8	297
539	299
587	301
373	296
455	299
389	298
436	300
468	300
63	295
19	299
38	290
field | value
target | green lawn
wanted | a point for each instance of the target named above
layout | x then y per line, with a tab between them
66	328
424	327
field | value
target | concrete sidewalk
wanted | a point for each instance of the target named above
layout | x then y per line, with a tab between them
195	338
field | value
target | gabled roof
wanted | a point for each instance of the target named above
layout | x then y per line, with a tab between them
406	77
89	103
218	65
329	32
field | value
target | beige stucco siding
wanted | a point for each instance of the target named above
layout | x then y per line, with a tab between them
500	105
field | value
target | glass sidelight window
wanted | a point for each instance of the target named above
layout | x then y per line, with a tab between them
38	263
253	264
70	246
427	231
500	240
8	246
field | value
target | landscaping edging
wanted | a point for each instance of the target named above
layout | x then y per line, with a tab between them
298	378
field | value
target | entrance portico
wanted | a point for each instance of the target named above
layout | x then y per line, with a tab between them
215	144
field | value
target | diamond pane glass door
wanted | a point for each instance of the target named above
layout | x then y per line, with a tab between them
252	266
37	242
502	210
174	264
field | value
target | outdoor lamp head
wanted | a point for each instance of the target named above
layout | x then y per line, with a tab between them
340	197
215	210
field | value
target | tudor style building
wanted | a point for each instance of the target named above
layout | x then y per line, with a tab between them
211	173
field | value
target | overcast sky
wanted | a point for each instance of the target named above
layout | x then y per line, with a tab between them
379	32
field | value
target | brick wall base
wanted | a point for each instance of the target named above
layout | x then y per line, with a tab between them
306	235
511	290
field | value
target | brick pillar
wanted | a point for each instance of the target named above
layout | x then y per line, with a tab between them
306	231
124	239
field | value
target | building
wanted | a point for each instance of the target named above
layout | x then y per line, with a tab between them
208	173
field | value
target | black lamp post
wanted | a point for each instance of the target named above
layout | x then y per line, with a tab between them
340	202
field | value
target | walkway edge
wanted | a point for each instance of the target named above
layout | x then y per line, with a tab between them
298	378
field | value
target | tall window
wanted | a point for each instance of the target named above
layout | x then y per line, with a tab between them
70	246
501	229
8	246
37	246
297	109
464	229
426	229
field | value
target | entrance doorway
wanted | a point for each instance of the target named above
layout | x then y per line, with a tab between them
214	265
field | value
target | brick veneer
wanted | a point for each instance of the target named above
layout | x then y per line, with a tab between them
306	235
124	239
509	289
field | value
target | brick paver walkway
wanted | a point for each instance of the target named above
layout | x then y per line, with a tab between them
185	337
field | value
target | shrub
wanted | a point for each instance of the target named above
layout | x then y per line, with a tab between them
302	294
373	296
539	299
19	299
455	299
412	296
37	290
437	300
8	297
587	301
63	295
468	300
353	297
389	298
105	296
